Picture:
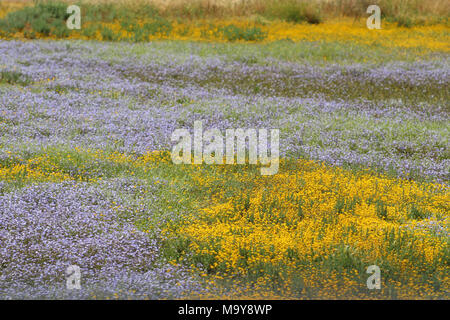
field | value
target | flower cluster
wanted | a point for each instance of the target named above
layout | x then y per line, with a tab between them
391	117
46	228
312	221
86	177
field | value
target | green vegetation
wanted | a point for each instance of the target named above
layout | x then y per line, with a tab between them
48	17
233	33
14	77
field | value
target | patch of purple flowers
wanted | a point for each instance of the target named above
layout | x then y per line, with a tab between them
46	228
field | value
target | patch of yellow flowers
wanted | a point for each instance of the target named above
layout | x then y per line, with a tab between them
430	38
36	169
433	38
309	231
314	228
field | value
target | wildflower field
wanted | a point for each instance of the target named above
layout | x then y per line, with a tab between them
87	179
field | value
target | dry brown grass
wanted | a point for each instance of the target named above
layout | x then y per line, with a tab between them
396	9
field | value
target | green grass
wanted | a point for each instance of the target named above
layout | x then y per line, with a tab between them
320	53
233	33
14	77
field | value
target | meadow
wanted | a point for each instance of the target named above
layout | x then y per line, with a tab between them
86	176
